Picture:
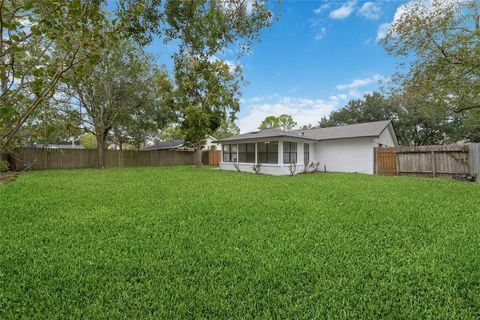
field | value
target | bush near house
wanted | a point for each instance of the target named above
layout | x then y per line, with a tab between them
180	242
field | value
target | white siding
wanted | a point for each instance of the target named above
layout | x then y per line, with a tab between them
386	138
209	144
339	155
345	155
273	169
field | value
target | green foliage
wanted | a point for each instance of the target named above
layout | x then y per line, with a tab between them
88	141
180	242
125	93
283	121
286	122
228	128
308	126
206	92
270	122
442	40
4	166
204	27
373	107
206	88
172	132
47	42
153	108
46	125
413	121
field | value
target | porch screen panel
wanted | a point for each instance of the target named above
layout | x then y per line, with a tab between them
268	152
229	153
289	152
246	152
306	153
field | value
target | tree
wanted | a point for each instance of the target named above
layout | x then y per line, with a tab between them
124	90
286	122
206	91
307	126
228	128
413	122
46	125
201	27
143	123
270	122
373	107
443	39
88	141
172	132
283	121
41	43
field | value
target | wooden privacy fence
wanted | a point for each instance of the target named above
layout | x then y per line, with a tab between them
214	157
44	159
433	161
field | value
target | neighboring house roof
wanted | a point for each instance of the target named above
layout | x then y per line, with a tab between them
53	146
367	129
166	145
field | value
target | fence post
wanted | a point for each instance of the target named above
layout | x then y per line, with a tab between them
474	160
397	163
434	165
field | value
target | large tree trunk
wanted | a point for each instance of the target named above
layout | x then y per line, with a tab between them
198	158
101	146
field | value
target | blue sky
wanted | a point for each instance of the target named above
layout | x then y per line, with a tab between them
316	57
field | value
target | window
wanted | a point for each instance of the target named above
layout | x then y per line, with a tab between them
246	152
306	153
268	152
289	152
229	153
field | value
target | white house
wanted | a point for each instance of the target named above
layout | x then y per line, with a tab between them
340	149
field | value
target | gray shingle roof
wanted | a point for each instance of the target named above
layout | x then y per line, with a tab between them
166	145
368	129
267	133
53	146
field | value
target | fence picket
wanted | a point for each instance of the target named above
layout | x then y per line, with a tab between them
435	160
42	159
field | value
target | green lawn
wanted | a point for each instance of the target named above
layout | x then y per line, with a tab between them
181	242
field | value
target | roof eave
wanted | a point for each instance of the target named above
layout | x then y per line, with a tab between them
353	137
259	138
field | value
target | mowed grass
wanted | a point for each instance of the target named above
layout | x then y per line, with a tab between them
181	242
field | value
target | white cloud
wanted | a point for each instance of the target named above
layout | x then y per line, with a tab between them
320	34
382	31
322	8
231	64
420	7
370	11
344	11
234	6
401	10
303	110
354	86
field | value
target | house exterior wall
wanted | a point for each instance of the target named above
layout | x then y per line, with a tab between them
268	168
209	144
338	155
345	155
386	138
272	169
